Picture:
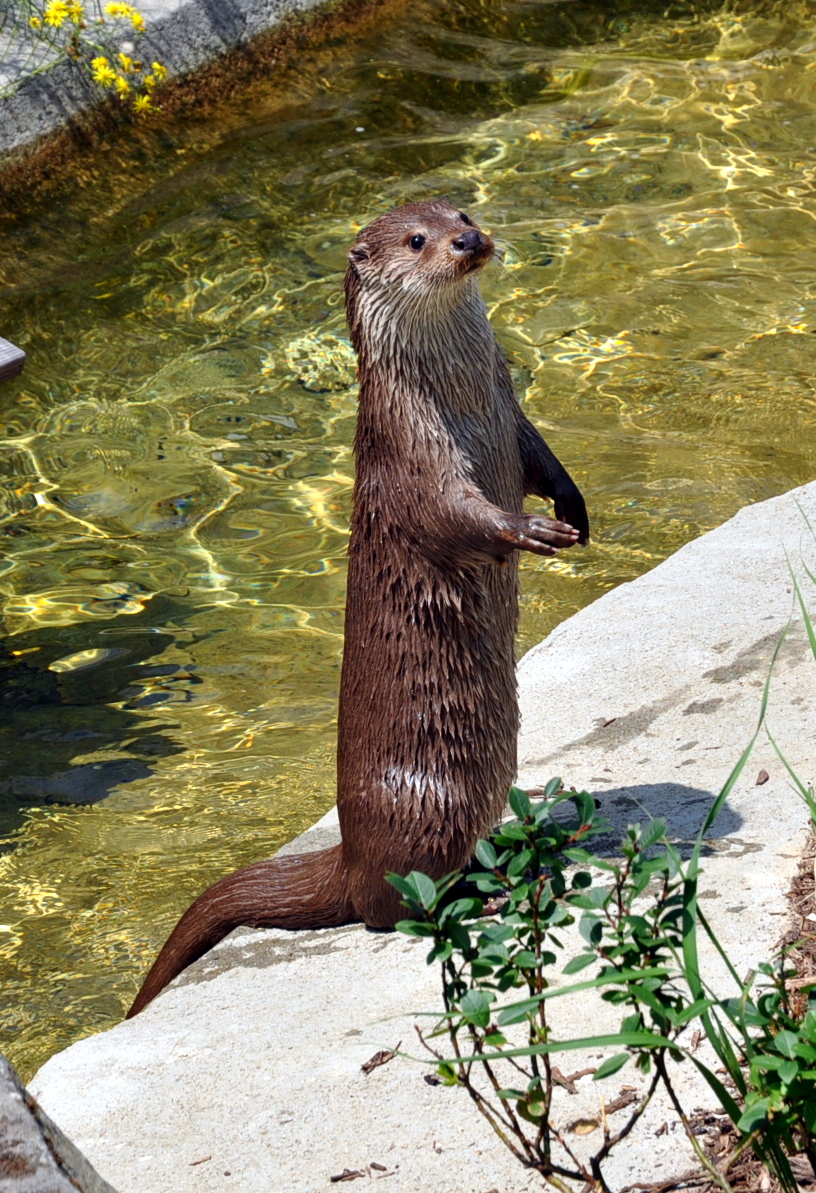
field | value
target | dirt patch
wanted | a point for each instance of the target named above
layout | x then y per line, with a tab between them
800	936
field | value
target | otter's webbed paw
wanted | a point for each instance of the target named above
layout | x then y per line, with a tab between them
534	532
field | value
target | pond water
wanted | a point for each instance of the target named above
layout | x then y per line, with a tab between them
176	466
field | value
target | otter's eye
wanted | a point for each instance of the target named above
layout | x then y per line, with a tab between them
417	242
465	218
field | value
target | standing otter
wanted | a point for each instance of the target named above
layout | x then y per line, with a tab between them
428	712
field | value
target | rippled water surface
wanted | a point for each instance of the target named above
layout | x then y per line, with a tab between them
176	466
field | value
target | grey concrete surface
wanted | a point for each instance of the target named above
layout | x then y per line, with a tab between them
182	34
246	1073
35	1156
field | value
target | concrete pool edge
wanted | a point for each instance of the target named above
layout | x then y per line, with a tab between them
205	49
608	699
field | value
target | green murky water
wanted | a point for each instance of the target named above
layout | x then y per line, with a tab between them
176	466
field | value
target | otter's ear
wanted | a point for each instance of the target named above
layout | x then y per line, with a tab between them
358	253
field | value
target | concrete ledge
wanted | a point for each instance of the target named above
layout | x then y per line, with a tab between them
246	1071
183	36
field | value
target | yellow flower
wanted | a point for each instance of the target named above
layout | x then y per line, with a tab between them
121	86
75	11
56	12
142	105
103	72
159	71
117	10
149	82
138	21
127	64
35	22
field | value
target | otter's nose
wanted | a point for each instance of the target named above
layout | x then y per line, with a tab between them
468	241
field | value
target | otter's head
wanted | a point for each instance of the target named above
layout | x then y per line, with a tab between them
414	260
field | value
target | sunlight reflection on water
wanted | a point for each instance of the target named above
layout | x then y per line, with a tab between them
176	458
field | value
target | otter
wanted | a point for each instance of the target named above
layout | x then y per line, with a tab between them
428	715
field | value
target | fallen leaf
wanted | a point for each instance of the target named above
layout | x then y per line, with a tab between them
762	777
800	1166
380	1058
378	1167
567	1081
626	1099
348	1174
584	1126
431	1080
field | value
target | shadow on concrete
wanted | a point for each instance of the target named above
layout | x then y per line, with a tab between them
683	808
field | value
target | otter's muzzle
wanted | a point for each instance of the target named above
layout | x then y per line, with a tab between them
471	241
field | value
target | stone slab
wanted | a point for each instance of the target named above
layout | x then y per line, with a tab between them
35	1156
182	34
245	1072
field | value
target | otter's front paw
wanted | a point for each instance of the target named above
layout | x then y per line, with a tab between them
543	536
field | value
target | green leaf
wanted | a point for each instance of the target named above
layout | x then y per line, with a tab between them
512	832
580	962
653	832
581	880
440	952
415	928
486	854
519	863
475	1007
519	802
785	1042
768	1064
460	937
591	928
585	807
532	1111
462	909
518	1012
623	1039
404	887
788	1070
694	1010
552	788
426	892
487	883
753	1115
610	1066
581	857
525	959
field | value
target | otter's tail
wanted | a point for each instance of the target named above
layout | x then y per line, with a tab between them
308	890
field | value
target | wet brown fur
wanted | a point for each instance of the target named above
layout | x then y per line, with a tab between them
428	712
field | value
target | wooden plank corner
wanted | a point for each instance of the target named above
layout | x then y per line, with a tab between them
12	360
